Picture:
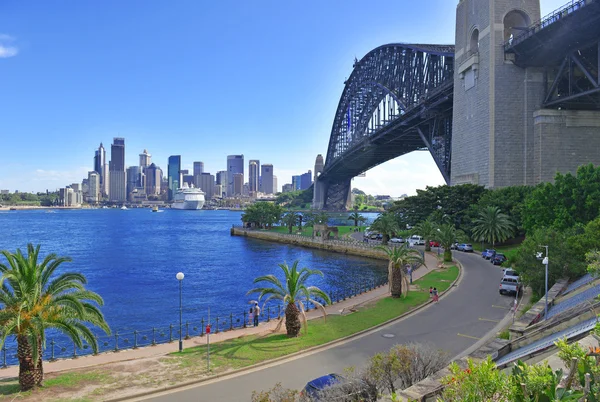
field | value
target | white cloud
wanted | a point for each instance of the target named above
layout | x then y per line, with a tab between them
7	48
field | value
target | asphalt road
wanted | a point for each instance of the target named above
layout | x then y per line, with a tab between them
454	324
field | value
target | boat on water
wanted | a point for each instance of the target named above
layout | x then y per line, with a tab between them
155	208
188	198
123	207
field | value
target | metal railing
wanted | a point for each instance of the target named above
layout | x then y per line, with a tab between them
62	348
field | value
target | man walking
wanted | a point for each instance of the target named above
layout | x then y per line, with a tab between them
256	314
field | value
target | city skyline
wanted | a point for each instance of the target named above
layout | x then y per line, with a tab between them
287	79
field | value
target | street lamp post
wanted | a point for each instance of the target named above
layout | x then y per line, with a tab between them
179	277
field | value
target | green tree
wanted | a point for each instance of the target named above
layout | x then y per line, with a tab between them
387	225
290	219
509	199
447	235
428	230
32	300
492	226
356	217
262	214
295	291
399	259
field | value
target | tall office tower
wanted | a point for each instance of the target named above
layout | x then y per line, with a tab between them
266	177
286	188
221	179
305	180
238	184
174	175
206	183
296	182
318	166
153	179
116	168
145	160
93	188
100	168
188	178
218	193
274	184
253	175
198	168
235	164
133	178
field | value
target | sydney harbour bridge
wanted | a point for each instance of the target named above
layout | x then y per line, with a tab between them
400	97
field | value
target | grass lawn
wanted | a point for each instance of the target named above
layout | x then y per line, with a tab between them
250	350
308	231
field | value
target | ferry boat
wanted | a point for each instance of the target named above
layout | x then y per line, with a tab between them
155	208
188	198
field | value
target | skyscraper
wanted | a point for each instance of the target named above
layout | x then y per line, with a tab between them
305	180
145	160
238	183
153	179
253	175
101	168
133	178
266	174
221	179
235	164
274	184
198	168
174	175
206	182
116	168
296	182
93	188
318	166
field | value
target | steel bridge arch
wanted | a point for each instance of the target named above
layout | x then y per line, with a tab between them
408	73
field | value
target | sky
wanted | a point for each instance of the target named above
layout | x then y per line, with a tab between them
195	78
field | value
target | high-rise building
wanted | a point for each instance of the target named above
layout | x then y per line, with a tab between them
266	175
100	167
198	168
274	184
145	160
318	166
238	184
296	182
133	179
93	192
235	164
206	182
116	168
218	193
174	175
305	180
253	175
153	179
221	178
286	188
187	178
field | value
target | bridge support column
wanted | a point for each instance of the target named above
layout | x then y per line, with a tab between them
319	193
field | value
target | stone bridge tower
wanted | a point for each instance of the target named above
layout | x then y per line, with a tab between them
494	100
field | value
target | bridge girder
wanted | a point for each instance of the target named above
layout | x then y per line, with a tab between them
398	99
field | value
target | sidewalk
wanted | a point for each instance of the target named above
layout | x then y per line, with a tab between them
263	329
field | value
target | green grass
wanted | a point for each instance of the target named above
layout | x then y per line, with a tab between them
504	335
73	379
308	231
10	386
244	351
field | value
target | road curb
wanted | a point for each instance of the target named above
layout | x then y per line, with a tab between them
324	346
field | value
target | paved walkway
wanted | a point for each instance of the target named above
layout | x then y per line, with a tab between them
264	328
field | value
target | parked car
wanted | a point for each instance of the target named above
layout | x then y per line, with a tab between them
373	236
498	259
461	247
416	239
396	240
488	253
454	246
434	243
379	236
510	273
510	285
468	248
354	390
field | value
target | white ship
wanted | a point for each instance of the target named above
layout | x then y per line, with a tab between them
188	198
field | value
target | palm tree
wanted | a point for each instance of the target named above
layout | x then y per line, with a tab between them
428	230
447	235
399	258
356	217
33	301
387	225
294	292
290	219
492	225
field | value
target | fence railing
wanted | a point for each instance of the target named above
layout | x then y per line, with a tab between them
60	348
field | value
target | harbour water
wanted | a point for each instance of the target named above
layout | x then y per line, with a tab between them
131	258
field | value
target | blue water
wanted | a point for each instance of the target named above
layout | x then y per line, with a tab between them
131	258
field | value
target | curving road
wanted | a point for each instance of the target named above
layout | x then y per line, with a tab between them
454	324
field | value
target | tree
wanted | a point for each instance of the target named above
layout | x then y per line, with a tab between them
447	235
356	217
294	292
387	225
290	219
509	199
428	230
262	214
399	258
492	225
32	300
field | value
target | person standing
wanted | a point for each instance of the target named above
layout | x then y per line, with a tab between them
256	314
430	292
250	315
435	295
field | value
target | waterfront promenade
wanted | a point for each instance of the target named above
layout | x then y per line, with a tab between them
263	328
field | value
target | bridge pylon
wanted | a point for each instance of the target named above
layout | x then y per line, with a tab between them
335	196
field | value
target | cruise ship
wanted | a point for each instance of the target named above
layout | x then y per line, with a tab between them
188	198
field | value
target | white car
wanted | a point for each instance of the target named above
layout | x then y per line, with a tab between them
396	240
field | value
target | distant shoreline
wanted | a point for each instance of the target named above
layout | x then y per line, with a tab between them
26	207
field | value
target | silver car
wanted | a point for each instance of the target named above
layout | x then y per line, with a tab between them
467	248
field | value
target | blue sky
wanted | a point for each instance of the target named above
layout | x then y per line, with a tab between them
195	78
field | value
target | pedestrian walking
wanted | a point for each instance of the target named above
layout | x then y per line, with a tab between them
256	314
431	292
435	295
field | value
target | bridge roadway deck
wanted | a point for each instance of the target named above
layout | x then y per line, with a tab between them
454	324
